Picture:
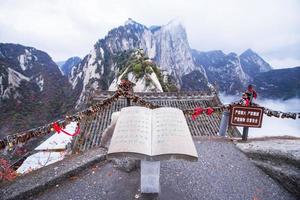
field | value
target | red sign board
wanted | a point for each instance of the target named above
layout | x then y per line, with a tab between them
246	116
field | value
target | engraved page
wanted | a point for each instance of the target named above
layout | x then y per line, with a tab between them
170	133
132	132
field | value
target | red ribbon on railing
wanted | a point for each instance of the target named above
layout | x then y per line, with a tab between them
198	111
58	129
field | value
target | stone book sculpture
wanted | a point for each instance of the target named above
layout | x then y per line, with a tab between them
157	134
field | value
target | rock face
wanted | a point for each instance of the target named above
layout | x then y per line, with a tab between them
280	158
173	53
224	70
166	45
32	89
67	66
253	64
195	81
280	83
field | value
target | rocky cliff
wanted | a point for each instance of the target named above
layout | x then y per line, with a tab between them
32	89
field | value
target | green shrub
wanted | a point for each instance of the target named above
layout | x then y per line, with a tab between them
137	69
148	70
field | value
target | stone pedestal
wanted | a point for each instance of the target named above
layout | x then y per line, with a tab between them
150	171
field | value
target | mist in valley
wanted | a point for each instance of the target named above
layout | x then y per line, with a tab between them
273	126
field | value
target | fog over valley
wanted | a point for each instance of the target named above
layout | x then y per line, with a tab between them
273	126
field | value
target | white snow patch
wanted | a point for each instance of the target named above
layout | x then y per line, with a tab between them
102	52
24	60
40	82
62	73
39	160
15	78
47	156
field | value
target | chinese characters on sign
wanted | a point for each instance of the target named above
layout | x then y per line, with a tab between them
246	116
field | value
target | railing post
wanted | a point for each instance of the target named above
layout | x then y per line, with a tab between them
245	133
224	123
128	101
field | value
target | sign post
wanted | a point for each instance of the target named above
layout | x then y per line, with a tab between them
246	117
245	133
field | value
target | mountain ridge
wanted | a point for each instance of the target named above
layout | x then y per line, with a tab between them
29	76
31	85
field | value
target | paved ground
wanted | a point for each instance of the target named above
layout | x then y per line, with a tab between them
222	172
46	177
278	157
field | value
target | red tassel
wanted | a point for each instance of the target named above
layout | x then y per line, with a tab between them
209	111
247	103
57	128
197	111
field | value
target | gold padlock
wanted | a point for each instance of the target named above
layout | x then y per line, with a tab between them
10	145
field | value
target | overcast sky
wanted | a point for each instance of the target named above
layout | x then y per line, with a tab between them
65	28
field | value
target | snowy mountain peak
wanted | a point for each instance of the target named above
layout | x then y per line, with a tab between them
252	63
248	52
175	26
174	23
131	23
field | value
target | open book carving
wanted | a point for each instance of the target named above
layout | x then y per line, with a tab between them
156	134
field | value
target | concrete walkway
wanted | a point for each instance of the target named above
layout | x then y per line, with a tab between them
278	157
222	172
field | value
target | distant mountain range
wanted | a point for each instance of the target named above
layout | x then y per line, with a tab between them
279	84
34	89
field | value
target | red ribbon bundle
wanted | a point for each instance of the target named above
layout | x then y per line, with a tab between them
198	111
209	111
58	129
247	102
